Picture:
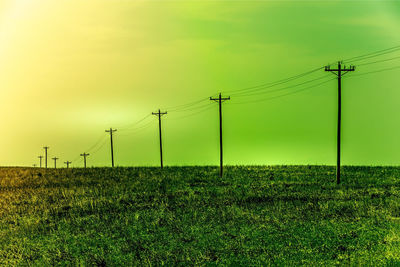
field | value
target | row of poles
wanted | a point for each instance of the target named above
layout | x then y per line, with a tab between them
339	72
84	155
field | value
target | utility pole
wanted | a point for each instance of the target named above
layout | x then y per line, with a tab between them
84	155
45	152
40	161
339	72
55	162
220	100
67	162
111	131
159	114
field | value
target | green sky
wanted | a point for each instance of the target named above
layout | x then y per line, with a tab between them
70	69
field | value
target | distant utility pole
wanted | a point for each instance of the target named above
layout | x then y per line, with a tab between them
67	162
339	72
84	155
40	161
55	162
220	100
111	131
159	114
45	153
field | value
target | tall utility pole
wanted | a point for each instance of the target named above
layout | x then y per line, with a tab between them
55	162
220	100
45	153
84	155
339	72
159	114
40	161
67	162
111	131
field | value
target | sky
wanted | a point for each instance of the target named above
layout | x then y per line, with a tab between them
70	69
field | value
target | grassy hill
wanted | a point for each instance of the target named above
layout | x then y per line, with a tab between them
280	215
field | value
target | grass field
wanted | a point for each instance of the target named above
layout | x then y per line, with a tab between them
280	215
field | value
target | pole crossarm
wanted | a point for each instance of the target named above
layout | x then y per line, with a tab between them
351	68
340	69
159	113
111	130
222	99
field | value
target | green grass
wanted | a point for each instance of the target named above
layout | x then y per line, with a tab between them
281	215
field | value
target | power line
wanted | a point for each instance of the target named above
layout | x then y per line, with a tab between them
197	106
373	54
375	71
379	61
272	84
283	95
100	147
102	137
128	126
193	108
183	106
208	107
238	92
141	130
361	59
284	88
279	82
99	140
282	81
192	105
138	129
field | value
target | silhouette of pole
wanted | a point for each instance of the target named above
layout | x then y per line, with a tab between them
45	153
339	72
55	162
159	114
40	161
84	155
67	162
220	99
111	131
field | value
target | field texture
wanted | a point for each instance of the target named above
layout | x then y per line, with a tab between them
282	215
